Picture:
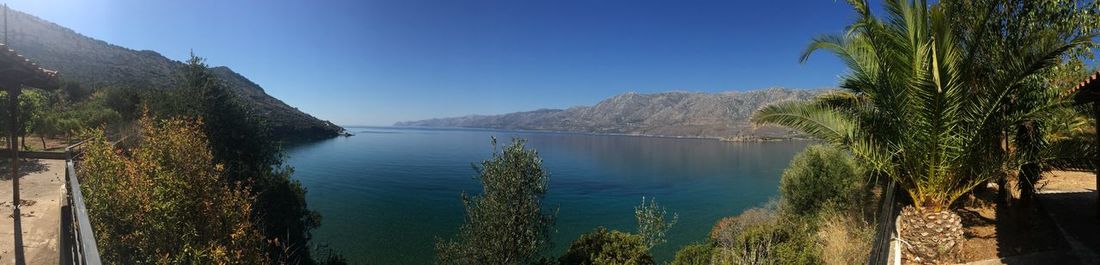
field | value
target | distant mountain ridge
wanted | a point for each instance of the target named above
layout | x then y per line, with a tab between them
97	63
677	114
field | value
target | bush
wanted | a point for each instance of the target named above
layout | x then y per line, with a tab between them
762	236
607	247
126	101
166	202
844	239
818	178
797	244
694	254
241	141
726	231
653	224
73	91
505	224
819	183
32	105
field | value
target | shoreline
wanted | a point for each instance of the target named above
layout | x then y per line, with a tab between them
734	139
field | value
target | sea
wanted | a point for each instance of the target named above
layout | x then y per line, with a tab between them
387	195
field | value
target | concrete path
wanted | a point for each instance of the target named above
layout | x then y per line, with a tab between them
40	188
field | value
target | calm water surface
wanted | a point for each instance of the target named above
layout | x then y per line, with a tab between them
387	193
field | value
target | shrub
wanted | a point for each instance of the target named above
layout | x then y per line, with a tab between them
694	254
505	224
727	230
818	178
653	225
166	202
844	239
762	236
607	247
242	141
797	244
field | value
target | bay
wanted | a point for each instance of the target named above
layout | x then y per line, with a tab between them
386	194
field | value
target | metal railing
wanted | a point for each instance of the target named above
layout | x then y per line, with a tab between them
884	228
77	240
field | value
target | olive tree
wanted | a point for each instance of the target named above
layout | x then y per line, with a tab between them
506	223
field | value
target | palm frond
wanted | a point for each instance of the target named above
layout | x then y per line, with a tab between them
810	118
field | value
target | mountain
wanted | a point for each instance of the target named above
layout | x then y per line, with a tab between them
96	63
680	114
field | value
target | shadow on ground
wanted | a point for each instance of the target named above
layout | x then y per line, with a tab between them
26	166
1075	215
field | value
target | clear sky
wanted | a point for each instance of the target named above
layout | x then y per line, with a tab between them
378	62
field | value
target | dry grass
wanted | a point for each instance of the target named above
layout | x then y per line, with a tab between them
844	239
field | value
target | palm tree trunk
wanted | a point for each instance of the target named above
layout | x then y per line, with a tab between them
929	237
1028	143
1004	195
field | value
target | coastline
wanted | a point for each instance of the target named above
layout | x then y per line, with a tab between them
732	139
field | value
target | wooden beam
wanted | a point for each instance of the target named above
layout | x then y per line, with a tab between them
1096	161
13	148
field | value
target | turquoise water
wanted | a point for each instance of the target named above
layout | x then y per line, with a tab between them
386	194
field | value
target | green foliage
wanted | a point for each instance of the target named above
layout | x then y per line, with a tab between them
613	247
1038	138
32	106
73	91
917	106
653	224
167	201
127	101
326	256
694	254
607	247
820	182
505	224
798	244
240	141
65	118
762	236
819	177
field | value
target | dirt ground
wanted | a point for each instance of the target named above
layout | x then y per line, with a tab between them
1067	181
995	230
40	191
1015	232
35	144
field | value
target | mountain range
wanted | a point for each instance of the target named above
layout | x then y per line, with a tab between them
674	114
96	63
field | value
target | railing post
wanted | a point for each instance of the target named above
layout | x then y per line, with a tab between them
65	240
78	239
880	248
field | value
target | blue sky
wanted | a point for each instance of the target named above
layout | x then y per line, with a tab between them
378	62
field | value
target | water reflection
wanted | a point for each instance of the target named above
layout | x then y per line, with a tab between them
387	194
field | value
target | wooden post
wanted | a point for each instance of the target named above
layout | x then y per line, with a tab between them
1096	160
13	147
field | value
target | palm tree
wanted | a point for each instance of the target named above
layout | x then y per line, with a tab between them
1048	132
912	109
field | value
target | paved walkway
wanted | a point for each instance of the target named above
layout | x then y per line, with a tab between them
40	188
1070	199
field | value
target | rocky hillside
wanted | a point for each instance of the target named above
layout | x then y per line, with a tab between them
711	115
97	63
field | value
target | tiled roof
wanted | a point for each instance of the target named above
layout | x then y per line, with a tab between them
1088	81
15	69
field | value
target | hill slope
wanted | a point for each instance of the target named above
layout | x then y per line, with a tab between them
97	63
684	114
